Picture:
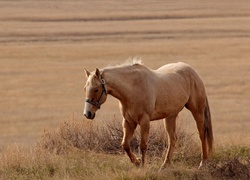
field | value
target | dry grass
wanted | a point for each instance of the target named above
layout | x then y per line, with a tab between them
44	46
80	149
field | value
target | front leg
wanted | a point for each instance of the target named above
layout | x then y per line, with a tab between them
144	123
128	132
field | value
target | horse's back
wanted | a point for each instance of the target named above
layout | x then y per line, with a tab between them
177	68
181	70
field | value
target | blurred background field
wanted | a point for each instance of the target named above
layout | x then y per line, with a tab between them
44	46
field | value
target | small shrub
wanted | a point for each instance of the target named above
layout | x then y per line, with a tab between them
106	137
84	135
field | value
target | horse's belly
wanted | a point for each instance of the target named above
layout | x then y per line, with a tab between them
159	115
165	109
162	115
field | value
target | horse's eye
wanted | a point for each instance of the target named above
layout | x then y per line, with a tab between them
96	90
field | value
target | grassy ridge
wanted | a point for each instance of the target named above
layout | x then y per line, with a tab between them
79	150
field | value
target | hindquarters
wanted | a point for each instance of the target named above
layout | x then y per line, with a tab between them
179	86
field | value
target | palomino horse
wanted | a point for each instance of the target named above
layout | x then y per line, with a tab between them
146	95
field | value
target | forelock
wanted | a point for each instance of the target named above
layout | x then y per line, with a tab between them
92	80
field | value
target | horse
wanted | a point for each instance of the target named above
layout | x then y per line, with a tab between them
146	95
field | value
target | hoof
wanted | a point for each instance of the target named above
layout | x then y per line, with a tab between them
203	164
166	166
137	162
161	168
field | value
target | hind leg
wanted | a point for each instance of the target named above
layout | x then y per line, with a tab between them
170	126
199	118
198	114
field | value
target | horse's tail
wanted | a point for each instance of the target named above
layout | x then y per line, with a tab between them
208	128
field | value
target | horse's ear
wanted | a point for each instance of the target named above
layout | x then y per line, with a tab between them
97	72
86	72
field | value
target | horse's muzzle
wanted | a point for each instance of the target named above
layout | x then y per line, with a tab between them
89	115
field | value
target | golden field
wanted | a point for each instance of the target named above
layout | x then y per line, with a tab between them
44	46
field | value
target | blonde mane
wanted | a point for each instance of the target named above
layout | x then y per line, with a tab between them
129	62
133	61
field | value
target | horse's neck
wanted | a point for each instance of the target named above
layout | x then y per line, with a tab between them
119	83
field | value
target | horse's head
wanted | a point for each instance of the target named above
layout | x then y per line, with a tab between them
96	93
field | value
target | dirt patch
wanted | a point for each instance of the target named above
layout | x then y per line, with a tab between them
233	169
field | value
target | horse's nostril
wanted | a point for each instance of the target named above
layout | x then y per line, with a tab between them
88	114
